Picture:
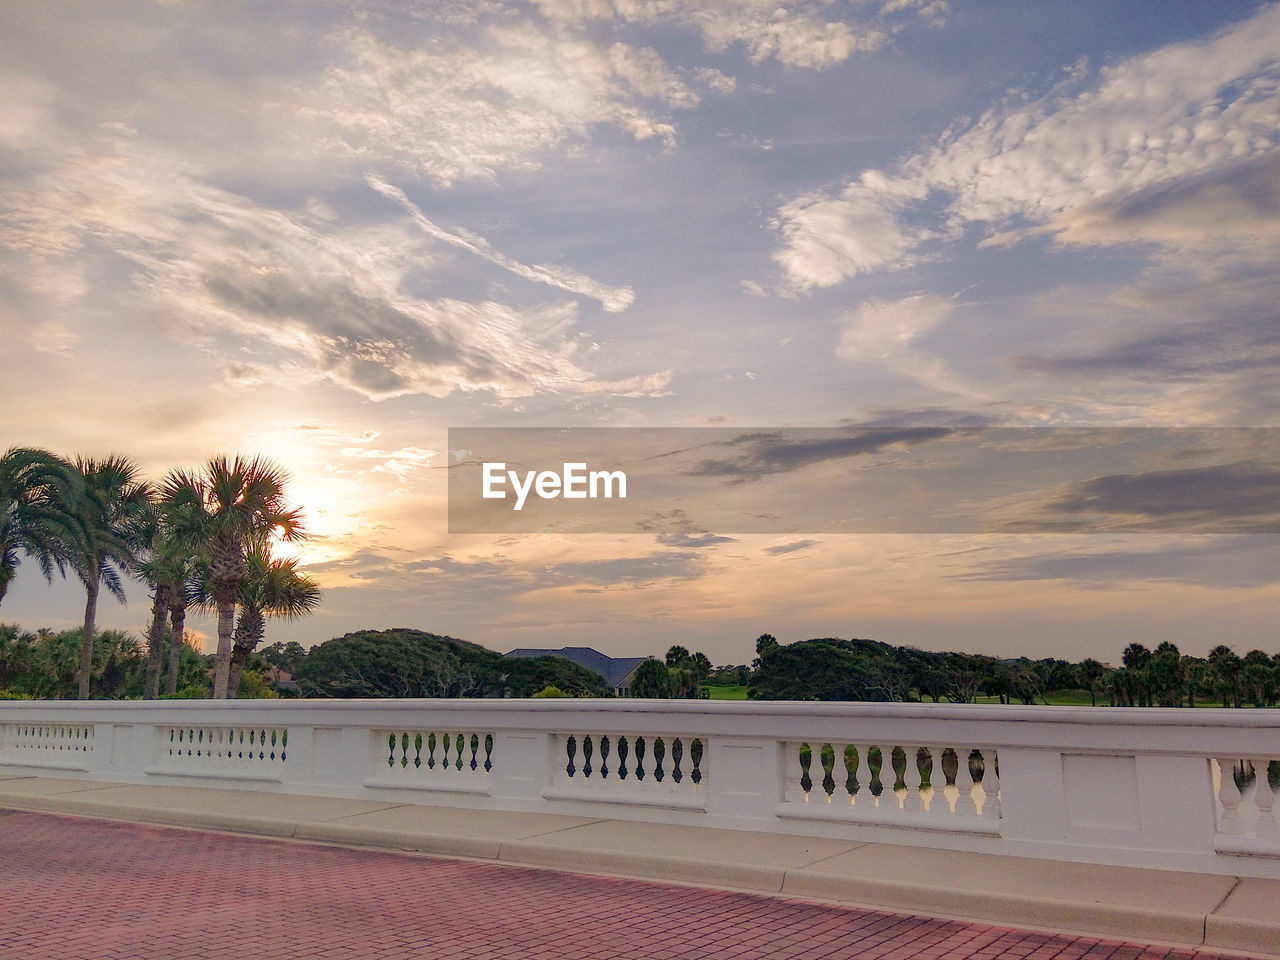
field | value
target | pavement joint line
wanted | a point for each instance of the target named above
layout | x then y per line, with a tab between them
348	816
841	853
548	833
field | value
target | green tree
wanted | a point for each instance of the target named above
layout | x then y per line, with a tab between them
107	527
284	656
1225	668
17	649
35	487
272	587
1089	673
651	679
766	643
222	510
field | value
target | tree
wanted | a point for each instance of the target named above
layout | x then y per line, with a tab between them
223	510
402	663
107	526
1088	673
172	569
284	656
17	648
35	486
271	588
651	679
1225	668
766	643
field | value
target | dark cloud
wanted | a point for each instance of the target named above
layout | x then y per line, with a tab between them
1198	201
770	453
632	570
923	417
688	540
793	547
1186	351
1243	496
1225	562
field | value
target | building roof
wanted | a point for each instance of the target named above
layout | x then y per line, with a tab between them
613	669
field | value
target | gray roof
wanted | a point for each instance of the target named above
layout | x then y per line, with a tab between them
613	669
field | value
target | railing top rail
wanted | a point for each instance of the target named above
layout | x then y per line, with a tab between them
690	711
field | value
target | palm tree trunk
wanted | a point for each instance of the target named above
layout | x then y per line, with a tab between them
177	625
239	654
222	661
86	646
155	645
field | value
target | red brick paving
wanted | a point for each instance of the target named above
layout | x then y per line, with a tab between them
77	889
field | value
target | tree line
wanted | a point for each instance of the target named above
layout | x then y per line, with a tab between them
205	538
835	669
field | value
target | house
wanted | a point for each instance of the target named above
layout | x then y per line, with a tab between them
617	671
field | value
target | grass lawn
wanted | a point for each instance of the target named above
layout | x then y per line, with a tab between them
728	693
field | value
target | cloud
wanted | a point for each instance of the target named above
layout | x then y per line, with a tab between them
1222	562
453	111
693	541
771	453
613	299
1203	348
1242	497
798	34
794	547
207	264
878	330
1123	133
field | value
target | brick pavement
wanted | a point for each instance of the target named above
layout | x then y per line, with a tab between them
79	889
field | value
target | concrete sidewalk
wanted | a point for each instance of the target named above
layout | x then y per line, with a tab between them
1178	908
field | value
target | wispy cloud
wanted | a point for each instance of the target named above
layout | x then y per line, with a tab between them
1042	165
613	299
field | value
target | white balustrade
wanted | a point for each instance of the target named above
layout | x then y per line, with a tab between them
53	745
444	760
652	770
1245	790
1190	789
233	752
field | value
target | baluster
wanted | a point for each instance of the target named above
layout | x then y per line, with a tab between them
604	758
659	752
912	778
431	749
571	747
828	780
677	753
990	785
874	783
458	748
850	761
640	745
965	807
695	757
938	782
1229	797
623	751
488	752
793	773
808	782
1264	799
446	744
587	749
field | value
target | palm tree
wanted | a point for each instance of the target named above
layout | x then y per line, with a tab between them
108	525
34	484
223	509
170	569
272	588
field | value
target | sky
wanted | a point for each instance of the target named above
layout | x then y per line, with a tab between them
331	232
